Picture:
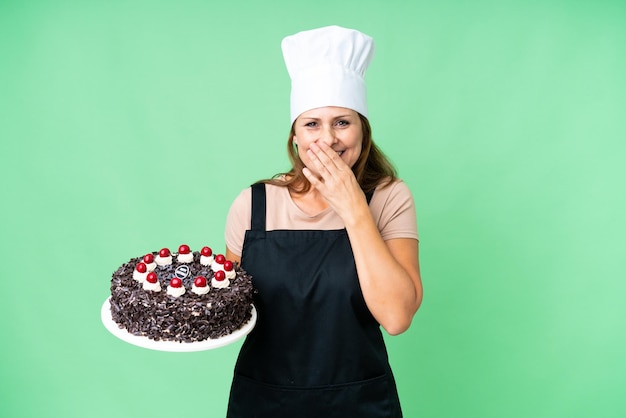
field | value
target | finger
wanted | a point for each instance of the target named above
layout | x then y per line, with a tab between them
326	155
320	166
315	182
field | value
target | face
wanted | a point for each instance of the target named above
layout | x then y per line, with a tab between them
338	127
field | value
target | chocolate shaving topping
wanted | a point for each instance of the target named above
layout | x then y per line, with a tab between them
187	318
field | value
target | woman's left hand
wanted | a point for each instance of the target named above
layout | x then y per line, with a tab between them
336	181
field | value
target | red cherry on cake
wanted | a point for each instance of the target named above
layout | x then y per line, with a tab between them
220	275
220	259
184	249
176	282
152	277
148	258
141	267
200	281
165	252
228	265
206	251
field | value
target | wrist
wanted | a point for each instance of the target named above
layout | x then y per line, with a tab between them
358	217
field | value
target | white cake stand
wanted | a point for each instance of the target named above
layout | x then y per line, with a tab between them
173	346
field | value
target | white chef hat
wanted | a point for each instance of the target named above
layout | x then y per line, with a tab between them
327	68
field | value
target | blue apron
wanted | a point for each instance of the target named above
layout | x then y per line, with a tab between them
316	350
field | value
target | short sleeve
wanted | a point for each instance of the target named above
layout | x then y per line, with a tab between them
238	221
394	209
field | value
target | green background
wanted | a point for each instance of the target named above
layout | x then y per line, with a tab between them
127	126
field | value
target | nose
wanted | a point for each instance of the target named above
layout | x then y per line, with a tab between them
327	135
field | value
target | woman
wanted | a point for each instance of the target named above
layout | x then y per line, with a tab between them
332	248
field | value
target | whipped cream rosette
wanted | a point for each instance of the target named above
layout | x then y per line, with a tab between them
229	269
140	272
175	288
164	258
184	254
218	262
200	286
206	256
148	260
152	282
219	280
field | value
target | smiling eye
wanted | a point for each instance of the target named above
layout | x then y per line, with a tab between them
311	124
343	122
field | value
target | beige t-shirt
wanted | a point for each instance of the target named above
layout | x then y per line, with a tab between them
392	207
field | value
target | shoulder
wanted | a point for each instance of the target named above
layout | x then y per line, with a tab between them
243	202
393	210
392	191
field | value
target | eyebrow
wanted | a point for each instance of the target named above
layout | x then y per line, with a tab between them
335	117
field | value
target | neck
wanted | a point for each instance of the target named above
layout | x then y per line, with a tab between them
310	202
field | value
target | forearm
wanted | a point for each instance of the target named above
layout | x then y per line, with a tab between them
388	272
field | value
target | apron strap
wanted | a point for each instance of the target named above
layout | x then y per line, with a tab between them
258	207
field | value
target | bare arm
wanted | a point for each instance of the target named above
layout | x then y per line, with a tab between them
232	256
390	280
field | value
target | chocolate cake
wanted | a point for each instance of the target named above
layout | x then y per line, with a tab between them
184	297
